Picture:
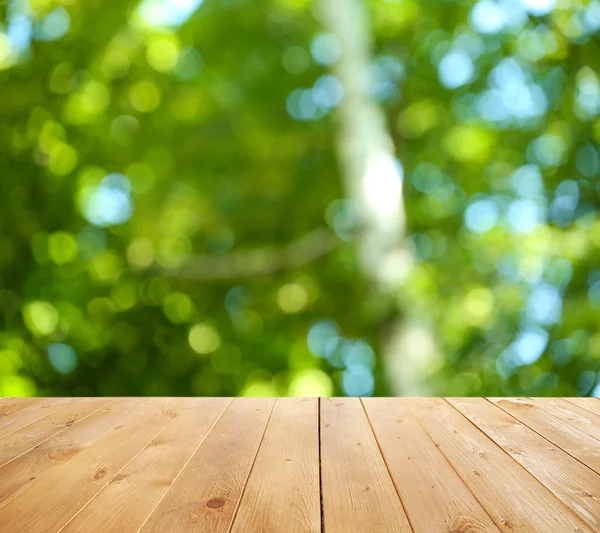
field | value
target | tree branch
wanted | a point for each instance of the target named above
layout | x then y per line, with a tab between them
261	261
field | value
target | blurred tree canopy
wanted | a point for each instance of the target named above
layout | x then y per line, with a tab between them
173	220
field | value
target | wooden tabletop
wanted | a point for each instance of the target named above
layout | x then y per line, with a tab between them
264	465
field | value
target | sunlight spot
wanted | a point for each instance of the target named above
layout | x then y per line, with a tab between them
320	336
539	7
295	60
325	49
481	216
204	339
382	184
529	346
358	381
140	253
62	357
144	96
54	26
109	203
327	92
292	298
162	54
455	69
167	12
311	382
41	318
488	16
527	181
523	216
545	305
358	354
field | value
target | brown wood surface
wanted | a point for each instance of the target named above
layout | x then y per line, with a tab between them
541	417
134	492
45	428
562	474
290	453
206	495
589	404
264	465
358	493
515	500
435	497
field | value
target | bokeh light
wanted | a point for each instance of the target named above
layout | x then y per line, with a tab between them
183	212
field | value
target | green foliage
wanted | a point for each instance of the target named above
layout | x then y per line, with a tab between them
162	212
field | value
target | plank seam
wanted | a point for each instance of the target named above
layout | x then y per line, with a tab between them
30	486
577	405
547	439
235	512
54	435
386	464
184	466
454	469
36	420
5	401
554	496
116	474
320	467
571	424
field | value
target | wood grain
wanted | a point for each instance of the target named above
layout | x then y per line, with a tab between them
31	467
589	404
571	414
358	493
9	406
206	494
434	497
573	483
514	499
571	439
290	452
133	493
51	503
45	428
333	465
34	411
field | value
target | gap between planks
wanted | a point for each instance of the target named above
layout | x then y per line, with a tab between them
559	502
385	461
183	467
108	482
529	426
133	459
484	514
237	507
320	469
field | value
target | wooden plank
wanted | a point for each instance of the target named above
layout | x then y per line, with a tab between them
45	428
289	452
30	414
514	499
51	503
434	497
572	414
358	492
573	483
571	439
589	404
30	468
206	494
9	406
133	493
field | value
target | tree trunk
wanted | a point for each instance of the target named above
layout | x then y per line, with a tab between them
373	181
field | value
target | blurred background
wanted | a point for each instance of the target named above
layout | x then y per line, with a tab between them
288	197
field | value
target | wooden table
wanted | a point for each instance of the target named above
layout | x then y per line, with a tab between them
339	465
